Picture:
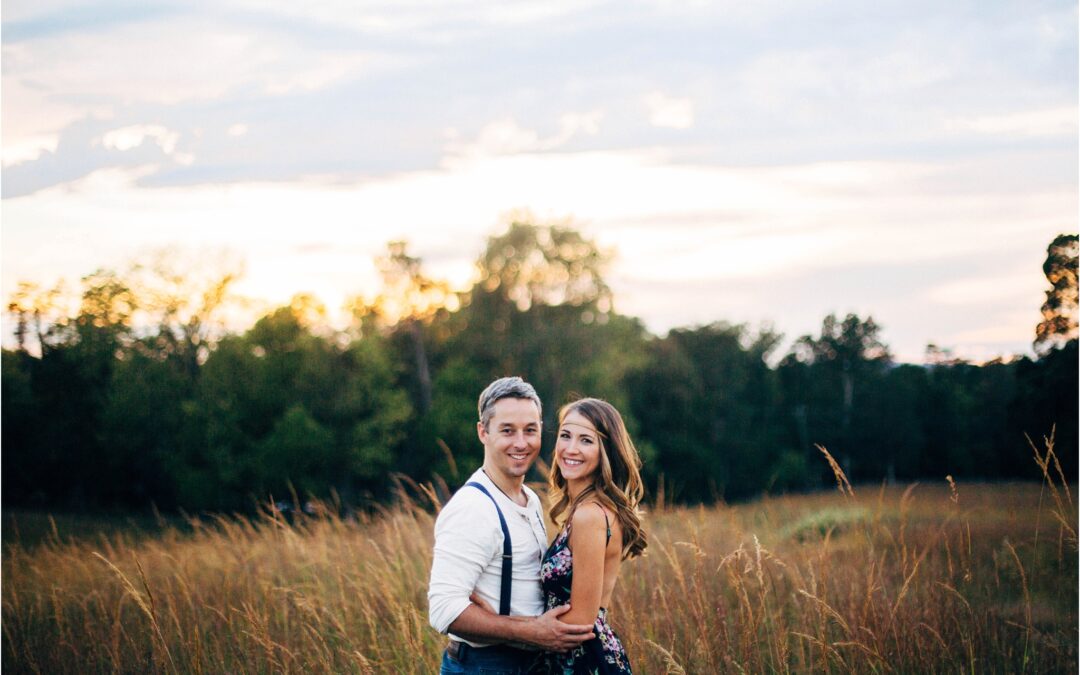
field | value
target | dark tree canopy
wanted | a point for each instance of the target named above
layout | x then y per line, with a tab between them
131	392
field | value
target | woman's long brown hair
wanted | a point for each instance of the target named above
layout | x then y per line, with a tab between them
617	482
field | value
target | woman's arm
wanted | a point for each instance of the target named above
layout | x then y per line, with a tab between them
588	542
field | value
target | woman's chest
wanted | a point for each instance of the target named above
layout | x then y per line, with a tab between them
557	568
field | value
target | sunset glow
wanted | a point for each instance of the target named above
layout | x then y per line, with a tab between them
900	171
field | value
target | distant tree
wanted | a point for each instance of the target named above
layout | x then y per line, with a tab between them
1045	399
407	302
847	357
1059	324
298	453
26	467
541	308
532	264
897	432
283	405
142	421
849	347
704	399
181	299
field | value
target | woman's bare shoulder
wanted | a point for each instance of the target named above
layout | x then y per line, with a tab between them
592	514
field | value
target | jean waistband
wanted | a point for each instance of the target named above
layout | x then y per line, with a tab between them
462	651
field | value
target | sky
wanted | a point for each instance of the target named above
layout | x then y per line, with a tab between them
748	162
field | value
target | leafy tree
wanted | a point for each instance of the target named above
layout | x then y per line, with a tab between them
36	312
703	400
181	300
408	301
142	420
297	453
1045	400
26	470
845	361
550	265
541	308
279	390
1059	324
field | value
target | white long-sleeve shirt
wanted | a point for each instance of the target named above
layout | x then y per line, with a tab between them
468	554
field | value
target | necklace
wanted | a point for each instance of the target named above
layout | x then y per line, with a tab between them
504	491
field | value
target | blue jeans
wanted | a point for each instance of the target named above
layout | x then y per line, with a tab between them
495	660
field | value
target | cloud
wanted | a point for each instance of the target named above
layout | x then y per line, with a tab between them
133	136
669	112
506	137
1000	287
1056	121
818	139
28	148
694	243
985	340
63	78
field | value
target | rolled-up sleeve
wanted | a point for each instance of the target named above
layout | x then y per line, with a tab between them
467	537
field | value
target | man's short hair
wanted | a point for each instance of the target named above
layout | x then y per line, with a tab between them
505	387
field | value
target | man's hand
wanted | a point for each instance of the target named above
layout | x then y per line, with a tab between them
545	631
550	634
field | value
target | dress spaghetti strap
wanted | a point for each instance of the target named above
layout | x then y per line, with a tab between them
607	523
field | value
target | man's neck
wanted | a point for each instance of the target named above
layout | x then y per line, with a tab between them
508	485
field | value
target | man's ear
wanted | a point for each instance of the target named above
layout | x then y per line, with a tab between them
481	432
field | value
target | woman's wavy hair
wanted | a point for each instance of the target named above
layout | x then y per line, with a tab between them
617	482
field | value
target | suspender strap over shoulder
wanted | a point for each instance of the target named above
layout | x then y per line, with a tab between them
508	553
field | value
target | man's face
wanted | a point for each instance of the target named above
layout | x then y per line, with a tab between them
512	437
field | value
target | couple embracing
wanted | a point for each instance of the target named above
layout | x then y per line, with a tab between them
510	602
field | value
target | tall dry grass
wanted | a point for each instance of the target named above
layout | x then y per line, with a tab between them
969	578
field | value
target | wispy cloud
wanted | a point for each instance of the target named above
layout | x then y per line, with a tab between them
670	112
1058	121
506	137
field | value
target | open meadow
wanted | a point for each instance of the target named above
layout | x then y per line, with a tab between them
976	578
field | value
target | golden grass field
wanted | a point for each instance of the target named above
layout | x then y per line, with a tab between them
927	578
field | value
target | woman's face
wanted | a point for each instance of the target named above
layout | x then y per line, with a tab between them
577	450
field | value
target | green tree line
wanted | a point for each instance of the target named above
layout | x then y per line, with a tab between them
134	396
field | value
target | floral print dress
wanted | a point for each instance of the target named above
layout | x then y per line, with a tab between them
604	654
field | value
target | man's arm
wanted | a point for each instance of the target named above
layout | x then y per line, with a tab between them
545	631
467	536
465	539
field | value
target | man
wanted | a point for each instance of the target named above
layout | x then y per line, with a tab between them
470	555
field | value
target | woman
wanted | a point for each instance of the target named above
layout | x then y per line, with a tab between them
595	486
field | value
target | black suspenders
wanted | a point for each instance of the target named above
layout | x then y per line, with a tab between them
508	553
